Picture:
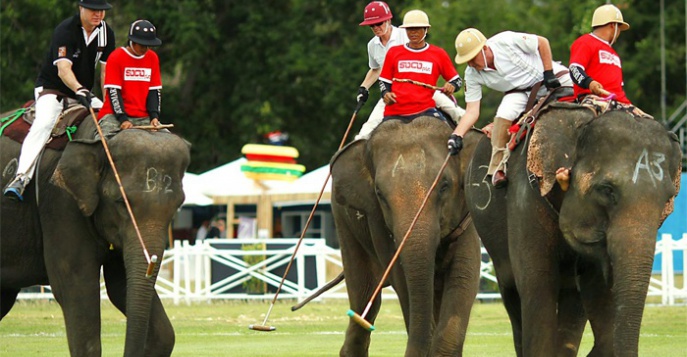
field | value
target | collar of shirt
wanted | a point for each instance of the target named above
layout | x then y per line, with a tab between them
599	38
93	36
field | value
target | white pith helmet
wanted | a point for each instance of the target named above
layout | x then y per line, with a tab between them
415	18
608	13
468	44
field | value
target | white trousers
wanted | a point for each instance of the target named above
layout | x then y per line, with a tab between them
48	110
442	102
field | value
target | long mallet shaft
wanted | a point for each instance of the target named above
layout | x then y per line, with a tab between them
264	326
121	190
360	319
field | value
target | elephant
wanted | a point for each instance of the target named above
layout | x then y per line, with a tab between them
573	235
377	188
74	221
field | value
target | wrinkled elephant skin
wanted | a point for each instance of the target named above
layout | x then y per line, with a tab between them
73	221
378	186
563	255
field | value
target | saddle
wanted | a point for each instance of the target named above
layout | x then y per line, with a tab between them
16	125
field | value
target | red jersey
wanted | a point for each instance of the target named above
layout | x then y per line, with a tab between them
600	61
134	76
424	65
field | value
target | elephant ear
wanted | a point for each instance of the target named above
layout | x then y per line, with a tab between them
352	183
677	173
79	171
554	141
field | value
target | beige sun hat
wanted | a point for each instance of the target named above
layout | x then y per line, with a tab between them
606	14
468	44
415	18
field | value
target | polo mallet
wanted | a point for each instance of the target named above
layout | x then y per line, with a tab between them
263	326
425	85
360	319
151	260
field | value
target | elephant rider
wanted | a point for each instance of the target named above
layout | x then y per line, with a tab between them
132	82
595	66
417	61
68	71
378	16
509	62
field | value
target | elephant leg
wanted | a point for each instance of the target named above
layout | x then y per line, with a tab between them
597	299
537	280
361	280
160	338
160	341
115	283
77	290
461	284
571	319
7	299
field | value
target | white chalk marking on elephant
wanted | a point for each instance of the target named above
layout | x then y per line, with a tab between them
399	164
11	168
644	162
487	185
359	215
152	177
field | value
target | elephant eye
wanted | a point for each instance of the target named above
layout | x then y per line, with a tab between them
606	194
444	186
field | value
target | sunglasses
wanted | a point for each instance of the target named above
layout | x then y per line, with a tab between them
376	25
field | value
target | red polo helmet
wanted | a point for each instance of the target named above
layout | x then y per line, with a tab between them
376	12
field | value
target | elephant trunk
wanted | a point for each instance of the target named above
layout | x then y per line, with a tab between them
631	249
140	289
418	262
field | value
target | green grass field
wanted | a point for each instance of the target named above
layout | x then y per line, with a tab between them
220	329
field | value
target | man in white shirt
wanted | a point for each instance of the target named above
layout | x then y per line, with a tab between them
508	62
378	16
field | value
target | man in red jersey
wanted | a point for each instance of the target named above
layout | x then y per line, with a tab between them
417	61
595	67
132	82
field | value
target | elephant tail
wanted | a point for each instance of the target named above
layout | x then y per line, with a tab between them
322	290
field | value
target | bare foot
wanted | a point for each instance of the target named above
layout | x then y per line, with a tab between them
563	178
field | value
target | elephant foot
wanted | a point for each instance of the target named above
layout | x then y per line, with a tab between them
563	178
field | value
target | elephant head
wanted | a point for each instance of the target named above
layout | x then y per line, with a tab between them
150	166
378	186
623	173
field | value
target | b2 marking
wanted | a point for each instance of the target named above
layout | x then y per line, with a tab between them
156	182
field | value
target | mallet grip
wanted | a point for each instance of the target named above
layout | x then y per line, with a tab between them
360	320
151	266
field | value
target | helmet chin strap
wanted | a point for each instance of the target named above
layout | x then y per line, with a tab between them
387	27
425	35
615	33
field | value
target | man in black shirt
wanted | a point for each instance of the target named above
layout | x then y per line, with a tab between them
67	74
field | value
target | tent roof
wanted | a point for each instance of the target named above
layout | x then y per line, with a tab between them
192	191
229	180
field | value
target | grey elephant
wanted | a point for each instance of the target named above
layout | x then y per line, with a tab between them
377	188
73	221
573	235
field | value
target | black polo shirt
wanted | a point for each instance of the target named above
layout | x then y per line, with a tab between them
68	43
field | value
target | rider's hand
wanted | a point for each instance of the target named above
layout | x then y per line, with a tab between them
390	98
448	88
126	125
83	96
155	122
550	80
363	95
596	88
455	144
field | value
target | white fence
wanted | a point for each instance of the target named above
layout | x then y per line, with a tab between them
220	268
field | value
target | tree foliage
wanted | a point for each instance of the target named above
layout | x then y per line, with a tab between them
235	70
